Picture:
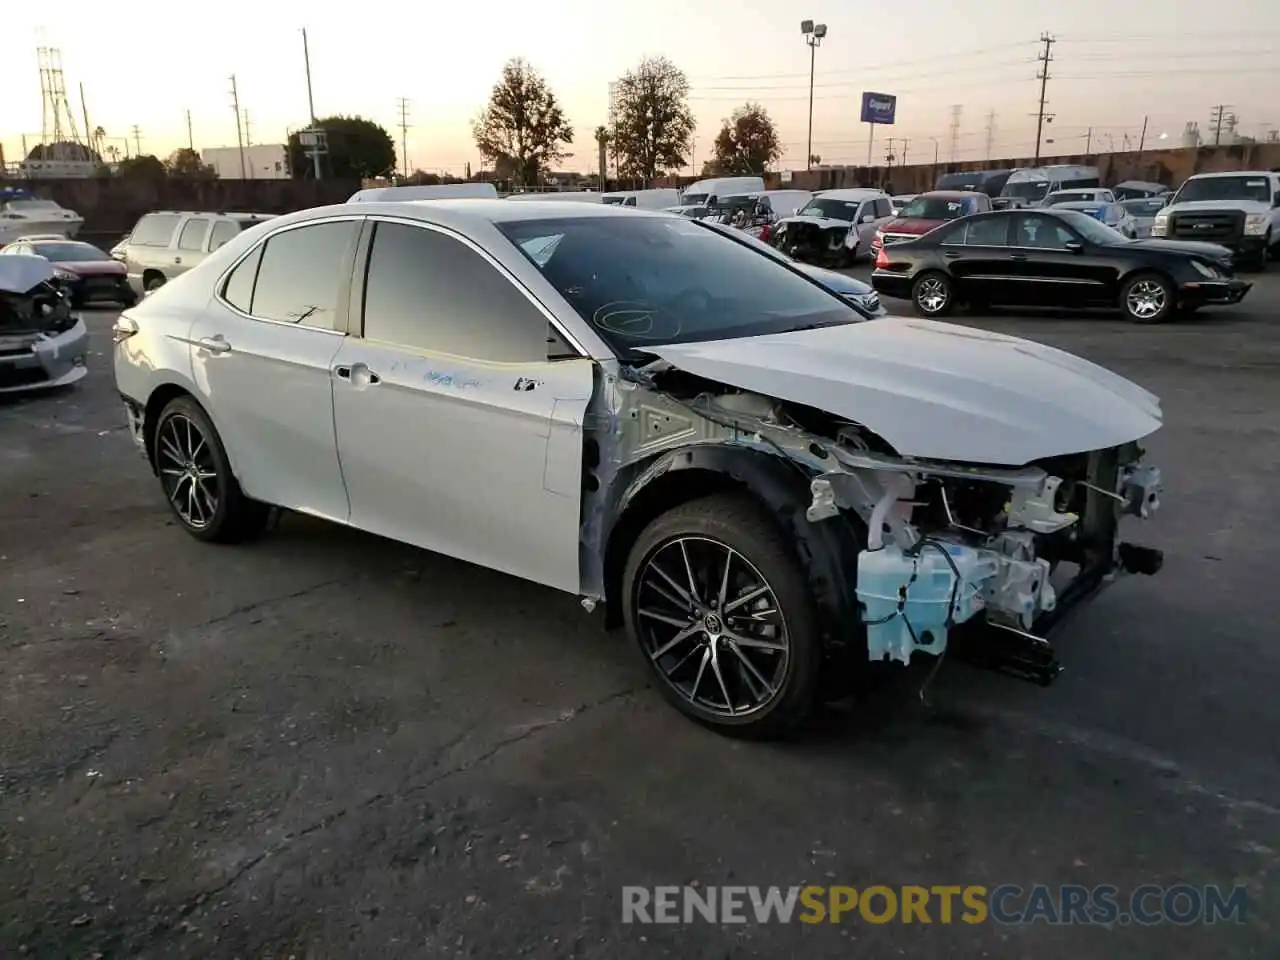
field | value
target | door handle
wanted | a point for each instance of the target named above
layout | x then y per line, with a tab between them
342	373
951	254
177	259
357	374
214	344
1018	256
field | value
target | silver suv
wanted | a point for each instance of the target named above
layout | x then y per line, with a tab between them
167	243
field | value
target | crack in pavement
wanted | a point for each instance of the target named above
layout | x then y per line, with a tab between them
526	732
266	601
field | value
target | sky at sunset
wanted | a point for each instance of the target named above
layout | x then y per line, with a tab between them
1114	63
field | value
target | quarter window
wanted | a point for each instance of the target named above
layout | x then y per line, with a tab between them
193	234
427	291
301	274
238	290
223	231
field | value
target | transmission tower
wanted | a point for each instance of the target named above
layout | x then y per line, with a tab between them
991	134
1045	58
956	110
403	104
58	123
1220	120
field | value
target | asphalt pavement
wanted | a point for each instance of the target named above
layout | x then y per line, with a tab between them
327	745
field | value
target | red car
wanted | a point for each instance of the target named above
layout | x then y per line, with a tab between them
88	274
928	211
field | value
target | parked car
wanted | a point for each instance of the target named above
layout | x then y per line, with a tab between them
121	249
990	182
862	295
633	408
1054	258
1140	190
835	227
1143	210
87	273
1079	195
927	212
43	342
1113	215
900	201
1028	186
1239	210
167	244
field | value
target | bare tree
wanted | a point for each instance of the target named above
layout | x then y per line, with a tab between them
654	122
523	126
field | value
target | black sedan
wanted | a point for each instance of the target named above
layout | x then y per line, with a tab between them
1054	258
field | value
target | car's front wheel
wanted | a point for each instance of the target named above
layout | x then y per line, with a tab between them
1147	298
196	477
723	615
933	294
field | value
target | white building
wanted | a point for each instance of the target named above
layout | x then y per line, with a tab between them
262	161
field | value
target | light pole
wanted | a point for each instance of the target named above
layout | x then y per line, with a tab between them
813	34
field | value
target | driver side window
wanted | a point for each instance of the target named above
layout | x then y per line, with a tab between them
1042	233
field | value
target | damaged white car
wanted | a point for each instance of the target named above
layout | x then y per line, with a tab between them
43	341
640	410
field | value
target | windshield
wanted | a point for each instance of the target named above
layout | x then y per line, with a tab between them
935	208
1225	188
67	252
831	208
1076	196
653	280
1143	207
23	205
694	199
1026	189
1092	230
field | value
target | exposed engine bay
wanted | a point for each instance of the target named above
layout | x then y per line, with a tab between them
820	242
942	545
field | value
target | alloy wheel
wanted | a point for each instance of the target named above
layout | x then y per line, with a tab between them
711	625
188	472
932	295
1147	299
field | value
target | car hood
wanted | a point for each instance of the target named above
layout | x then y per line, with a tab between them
834	280
824	222
1197	206
935	390
92	268
21	273
1210	251
916	225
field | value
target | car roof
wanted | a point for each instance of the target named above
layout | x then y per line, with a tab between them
952	193
852	193
1219	174
469	213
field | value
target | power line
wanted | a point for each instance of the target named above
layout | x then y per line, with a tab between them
1045	58
403	104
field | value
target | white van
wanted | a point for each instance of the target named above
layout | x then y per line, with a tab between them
440	191
1028	186
704	192
579	196
658	198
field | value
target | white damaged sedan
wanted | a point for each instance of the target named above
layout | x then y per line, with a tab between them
648	413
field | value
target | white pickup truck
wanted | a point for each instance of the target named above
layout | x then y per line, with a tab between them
1238	210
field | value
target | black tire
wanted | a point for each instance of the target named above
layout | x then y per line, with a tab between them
153	281
1149	288
933	286
128	300
738	523
234	517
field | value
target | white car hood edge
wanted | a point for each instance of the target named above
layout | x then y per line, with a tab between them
934	390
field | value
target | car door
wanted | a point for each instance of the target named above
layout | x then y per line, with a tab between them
261	355
977	256
190	247
1049	272
456	431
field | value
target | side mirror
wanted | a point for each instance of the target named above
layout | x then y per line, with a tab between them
1075	246
868	218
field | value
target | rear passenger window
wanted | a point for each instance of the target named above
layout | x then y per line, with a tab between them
986	232
238	290
223	231
154	230
193	234
301	274
427	291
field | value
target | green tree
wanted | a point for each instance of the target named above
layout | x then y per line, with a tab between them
143	167
747	142
185	162
654	125
523	126
357	149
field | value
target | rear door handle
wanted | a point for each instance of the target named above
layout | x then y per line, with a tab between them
1018	256
214	344
177	259
951	254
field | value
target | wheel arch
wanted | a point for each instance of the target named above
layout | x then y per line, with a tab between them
160	397
826	550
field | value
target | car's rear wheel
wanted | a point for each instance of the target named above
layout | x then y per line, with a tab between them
152	281
1147	298
723	615
196	477
933	294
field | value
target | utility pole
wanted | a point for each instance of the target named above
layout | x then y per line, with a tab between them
956	110
991	134
404	133
235	105
314	134
137	140
1088	141
905	142
1142	142
248	140
1217	118
1045	58
813	34
191	140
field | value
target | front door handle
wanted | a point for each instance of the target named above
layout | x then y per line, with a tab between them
177	259
357	374
951	254
214	344
1019	256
